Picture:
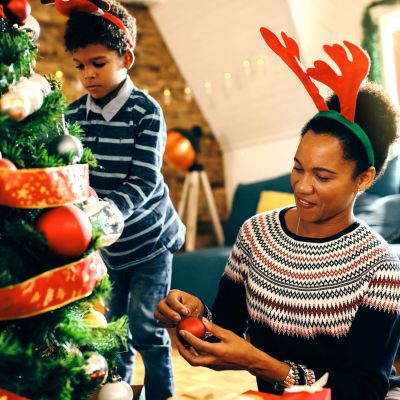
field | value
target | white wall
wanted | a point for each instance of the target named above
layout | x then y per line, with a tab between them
256	120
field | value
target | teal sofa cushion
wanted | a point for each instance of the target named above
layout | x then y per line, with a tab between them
245	202
389	182
198	272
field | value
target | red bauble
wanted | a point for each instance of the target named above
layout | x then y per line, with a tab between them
67	229
7	164
16	11
179	150
193	325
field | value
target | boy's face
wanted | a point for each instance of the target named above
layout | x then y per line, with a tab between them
101	70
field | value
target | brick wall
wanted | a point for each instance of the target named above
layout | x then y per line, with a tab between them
155	70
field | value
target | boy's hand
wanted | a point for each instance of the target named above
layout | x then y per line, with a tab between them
177	304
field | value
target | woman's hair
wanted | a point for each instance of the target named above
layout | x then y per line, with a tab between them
83	29
376	114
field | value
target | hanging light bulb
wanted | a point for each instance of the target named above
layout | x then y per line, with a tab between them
188	93
247	66
167	96
208	87
228	79
260	65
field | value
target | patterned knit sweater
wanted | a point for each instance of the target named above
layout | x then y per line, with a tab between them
330	304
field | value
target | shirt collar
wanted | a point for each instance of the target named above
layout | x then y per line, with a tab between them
113	106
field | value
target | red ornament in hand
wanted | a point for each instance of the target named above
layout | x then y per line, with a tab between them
67	229
193	325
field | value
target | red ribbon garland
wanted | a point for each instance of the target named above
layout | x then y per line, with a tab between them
6	395
44	187
52	289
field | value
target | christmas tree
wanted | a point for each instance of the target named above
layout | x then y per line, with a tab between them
55	342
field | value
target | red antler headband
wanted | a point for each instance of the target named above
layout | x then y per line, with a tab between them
70	7
346	85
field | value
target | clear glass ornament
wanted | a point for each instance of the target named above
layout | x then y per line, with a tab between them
106	217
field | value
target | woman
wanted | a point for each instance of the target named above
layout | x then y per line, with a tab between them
313	288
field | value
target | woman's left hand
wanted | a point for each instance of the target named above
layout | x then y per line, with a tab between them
231	353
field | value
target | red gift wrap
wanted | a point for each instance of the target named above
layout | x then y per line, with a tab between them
52	289
324	394
44	187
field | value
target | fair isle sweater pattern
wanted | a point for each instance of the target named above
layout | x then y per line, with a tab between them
129	150
308	288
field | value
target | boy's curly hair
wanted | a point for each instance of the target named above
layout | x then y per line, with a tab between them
376	114
83	29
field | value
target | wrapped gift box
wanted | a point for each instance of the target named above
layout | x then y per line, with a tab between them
324	394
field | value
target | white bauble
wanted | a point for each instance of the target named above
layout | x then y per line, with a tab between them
33	91
106	217
16	104
116	391
42	82
31	28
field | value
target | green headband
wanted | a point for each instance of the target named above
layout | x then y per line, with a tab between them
353	127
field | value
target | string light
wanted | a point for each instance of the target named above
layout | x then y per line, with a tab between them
59	74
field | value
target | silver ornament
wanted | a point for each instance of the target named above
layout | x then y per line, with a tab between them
118	390
107	218
65	144
96	367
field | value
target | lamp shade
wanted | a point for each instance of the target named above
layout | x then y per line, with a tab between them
179	150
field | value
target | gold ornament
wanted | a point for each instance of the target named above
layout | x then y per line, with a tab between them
95	319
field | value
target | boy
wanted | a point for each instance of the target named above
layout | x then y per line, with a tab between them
125	129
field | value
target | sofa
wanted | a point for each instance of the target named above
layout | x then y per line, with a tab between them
198	272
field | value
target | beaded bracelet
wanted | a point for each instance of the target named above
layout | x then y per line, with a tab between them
292	378
308	374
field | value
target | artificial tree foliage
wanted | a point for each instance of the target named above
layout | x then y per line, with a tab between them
44	357
370	41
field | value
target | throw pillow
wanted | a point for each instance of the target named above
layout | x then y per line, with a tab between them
382	214
269	200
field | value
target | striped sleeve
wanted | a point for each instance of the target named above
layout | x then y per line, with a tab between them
143	180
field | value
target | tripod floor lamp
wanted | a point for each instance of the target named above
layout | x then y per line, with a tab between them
181	151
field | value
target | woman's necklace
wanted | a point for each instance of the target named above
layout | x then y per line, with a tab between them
298	225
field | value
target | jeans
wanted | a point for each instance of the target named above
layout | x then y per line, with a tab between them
136	293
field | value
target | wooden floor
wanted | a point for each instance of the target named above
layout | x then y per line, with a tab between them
202	383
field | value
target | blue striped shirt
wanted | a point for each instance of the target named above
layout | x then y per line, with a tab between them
127	137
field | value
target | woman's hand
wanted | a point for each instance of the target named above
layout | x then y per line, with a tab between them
232	352
177	304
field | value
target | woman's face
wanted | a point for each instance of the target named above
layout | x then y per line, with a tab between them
323	181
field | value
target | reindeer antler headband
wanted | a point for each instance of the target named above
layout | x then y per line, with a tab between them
70	7
346	85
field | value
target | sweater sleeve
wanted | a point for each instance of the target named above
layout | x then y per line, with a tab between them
229	309
372	341
143	181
